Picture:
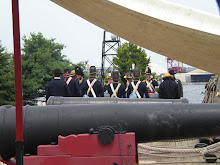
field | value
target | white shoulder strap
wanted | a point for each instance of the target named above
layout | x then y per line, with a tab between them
114	92
127	84
68	81
135	89
90	88
117	88
150	86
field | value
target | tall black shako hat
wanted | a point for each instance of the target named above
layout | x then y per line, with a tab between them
115	73
148	71
92	70
57	71
136	72
79	71
128	75
172	72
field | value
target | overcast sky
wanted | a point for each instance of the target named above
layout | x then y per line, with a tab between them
82	39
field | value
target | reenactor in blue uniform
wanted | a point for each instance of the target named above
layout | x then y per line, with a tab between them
73	85
177	81
109	79
116	89
57	87
80	78
65	75
150	82
128	77
168	89
92	87
137	89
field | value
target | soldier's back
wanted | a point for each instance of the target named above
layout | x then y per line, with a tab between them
168	90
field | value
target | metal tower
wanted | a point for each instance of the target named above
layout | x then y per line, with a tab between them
109	49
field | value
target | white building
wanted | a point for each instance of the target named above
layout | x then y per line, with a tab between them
197	75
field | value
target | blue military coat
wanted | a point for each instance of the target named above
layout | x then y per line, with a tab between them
57	87
142	89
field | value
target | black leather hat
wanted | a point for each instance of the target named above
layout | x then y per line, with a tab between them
148	71
136	72
172	72
92	70
128	75
79	71
115	73
57	71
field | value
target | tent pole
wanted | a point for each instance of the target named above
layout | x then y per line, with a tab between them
18	84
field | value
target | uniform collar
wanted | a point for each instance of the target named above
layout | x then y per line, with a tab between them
92	77
136	79
57	78
167	78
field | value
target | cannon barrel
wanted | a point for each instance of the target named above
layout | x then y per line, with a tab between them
150	122
57	100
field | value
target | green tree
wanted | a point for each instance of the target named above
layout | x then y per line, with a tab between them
128	54
40	57
7	89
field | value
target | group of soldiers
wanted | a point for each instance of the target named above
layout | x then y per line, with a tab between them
67	84
133	87
73	84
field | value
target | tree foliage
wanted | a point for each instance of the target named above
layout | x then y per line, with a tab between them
7	90
128	54
40	58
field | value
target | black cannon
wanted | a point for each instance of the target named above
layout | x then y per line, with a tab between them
150	122
57	100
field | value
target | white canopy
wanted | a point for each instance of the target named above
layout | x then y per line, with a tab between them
178	32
